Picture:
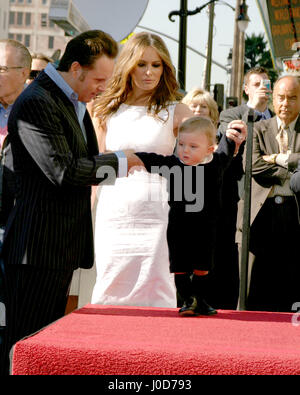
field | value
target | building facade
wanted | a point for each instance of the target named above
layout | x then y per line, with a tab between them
4	12
29	23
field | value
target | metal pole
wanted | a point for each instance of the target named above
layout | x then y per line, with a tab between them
209	46
246	217
235	53
182	44
241	61
183	13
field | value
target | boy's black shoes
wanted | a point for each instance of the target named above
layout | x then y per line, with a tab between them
188	308
204	309
192	307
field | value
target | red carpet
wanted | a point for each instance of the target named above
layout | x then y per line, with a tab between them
106	340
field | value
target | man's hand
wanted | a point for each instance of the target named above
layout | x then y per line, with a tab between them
237	131
278	159
133	161
260	97
270	158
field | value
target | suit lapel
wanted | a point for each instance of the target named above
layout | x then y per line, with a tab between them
92	143
69	110
245	111
256	117
273	130
296	143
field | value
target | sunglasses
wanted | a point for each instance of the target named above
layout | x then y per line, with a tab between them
33	74
5	69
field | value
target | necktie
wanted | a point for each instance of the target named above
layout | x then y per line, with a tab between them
258	117
282	138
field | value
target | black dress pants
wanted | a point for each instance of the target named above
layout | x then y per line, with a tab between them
2	309
274	241
34	298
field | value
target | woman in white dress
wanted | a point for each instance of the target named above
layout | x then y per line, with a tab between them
139	110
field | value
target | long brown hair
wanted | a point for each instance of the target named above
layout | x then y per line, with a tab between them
119	86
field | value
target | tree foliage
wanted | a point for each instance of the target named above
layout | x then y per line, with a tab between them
257	54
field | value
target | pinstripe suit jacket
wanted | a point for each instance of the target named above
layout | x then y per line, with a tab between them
50	224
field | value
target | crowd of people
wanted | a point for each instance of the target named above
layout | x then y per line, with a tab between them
166	172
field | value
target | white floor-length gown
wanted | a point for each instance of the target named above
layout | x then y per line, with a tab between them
131	250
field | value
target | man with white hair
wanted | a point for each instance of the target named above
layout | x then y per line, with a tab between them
274	224
15	65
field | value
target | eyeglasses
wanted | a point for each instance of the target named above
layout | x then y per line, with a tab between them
5	69
33	74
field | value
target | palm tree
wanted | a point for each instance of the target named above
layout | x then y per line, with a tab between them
257	54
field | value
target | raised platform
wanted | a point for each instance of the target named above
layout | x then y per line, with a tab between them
109	340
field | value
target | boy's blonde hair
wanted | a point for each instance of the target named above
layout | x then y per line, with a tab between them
199	125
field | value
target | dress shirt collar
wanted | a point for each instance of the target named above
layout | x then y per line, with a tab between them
207	159
52	73
4	113
291	125
264	115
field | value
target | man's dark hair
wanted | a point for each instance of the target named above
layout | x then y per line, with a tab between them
86	48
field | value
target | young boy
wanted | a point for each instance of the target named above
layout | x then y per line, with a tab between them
194	177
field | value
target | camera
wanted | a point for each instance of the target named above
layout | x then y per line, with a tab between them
266	84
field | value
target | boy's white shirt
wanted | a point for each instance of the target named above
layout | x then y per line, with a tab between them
207	159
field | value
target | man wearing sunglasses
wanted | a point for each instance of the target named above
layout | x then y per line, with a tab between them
15	64
39	62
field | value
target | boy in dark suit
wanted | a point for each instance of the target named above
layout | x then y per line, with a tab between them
194	178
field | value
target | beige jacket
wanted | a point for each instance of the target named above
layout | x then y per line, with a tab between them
265	175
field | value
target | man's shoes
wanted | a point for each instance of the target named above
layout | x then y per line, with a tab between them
204	309
188	308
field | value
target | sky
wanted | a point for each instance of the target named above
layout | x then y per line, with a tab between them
126	12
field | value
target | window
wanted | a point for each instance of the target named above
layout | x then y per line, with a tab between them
29	1
19	37
20	1
19	18
50	42
11	17
27	40
27	18
44	2
44	18
11	36
12	1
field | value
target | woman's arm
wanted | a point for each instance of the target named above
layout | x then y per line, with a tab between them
99	129
100	133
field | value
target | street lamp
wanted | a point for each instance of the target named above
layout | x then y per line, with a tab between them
238	53
183	13
243	19
229	61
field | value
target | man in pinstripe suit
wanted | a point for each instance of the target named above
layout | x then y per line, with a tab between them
56	160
